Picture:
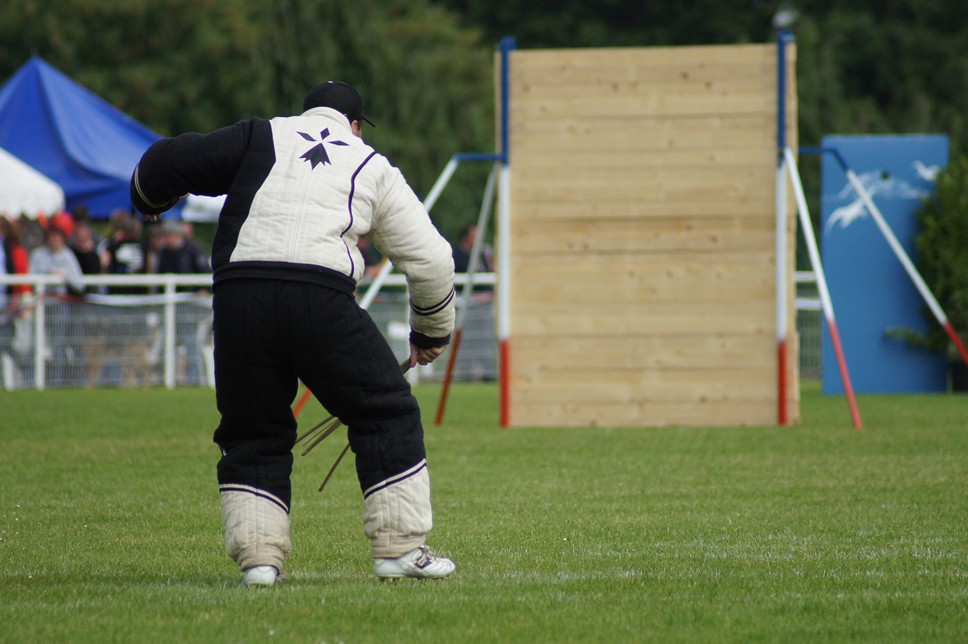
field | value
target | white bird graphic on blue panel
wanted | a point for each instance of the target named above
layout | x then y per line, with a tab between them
926	172
846	215
879	181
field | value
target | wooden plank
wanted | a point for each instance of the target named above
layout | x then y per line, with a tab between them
645	317
632	55
633	316
632	133
656	235
597	93
554	208
563	247
585	287
646	414
592	292
639	64
654	271
653	124
585	298
544	358
672	177
676	225
633	387
648	167
644	157
671	188
749	103
630	266
537	367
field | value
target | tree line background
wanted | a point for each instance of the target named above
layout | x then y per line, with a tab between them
425	67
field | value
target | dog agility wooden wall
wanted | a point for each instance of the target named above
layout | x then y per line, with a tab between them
643	199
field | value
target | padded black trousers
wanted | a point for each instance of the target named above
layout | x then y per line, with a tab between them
269	334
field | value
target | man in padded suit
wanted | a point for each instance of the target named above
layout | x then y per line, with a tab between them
299	192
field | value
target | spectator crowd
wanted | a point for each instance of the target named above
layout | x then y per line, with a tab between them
70	246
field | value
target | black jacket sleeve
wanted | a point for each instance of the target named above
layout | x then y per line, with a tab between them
201	164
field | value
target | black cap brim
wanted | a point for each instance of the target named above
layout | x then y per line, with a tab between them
339	96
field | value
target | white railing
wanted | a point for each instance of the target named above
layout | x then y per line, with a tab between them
154	334
806	303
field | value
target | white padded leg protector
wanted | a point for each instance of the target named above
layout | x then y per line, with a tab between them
397	514
256	528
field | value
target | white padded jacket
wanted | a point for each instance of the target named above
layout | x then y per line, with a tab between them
300	190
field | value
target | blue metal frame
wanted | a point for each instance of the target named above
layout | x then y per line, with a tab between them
477	156
507	45
783	38
822	150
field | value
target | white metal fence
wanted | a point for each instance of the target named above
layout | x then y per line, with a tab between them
809	321
163	336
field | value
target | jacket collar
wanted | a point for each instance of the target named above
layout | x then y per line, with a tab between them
330	114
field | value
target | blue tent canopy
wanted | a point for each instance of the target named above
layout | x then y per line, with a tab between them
71	135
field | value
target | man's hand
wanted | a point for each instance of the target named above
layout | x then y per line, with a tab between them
419	355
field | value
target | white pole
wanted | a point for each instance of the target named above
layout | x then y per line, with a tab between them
827	304
472	266
906	262
170	332
440	183
376	285
504	259
895	245
781	291
504	288
807	228
40	337
466	293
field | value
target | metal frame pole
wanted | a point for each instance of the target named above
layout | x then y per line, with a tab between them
784	37
825	300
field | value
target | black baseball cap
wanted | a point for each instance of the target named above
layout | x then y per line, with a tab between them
338	95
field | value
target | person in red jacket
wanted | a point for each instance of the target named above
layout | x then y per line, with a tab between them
14	262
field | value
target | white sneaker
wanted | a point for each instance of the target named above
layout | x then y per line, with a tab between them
260	576
418	564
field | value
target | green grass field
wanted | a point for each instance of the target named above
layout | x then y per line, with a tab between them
110	531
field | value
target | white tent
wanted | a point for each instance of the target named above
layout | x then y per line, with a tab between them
23	190
201	208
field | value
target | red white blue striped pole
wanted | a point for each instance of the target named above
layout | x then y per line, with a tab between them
784	37
504	239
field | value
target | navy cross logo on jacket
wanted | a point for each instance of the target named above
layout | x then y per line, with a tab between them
317	154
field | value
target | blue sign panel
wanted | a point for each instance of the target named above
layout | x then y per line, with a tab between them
871	292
